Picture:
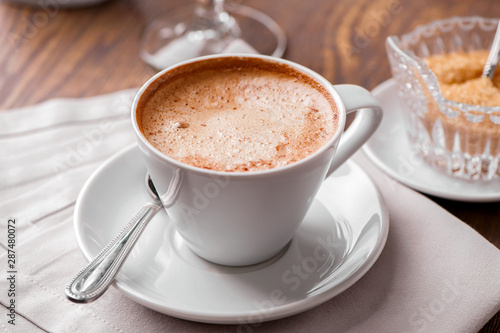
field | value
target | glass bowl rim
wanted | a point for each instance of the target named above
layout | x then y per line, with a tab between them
429	78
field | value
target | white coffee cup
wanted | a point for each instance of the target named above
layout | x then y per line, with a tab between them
243	218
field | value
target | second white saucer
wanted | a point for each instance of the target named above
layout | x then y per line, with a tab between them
389	148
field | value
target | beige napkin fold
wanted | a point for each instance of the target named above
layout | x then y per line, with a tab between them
435	274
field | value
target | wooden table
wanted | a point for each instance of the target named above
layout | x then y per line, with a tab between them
52	52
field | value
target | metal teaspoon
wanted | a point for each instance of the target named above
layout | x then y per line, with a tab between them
91	282
493	56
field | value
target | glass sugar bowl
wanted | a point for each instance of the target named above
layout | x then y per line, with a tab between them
460	138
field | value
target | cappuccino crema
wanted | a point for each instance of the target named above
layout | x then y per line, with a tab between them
237	114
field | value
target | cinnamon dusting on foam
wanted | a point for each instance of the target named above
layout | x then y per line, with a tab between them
234	114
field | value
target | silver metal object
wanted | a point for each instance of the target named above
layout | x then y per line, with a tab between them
91	282
493	57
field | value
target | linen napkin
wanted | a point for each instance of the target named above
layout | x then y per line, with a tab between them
435	274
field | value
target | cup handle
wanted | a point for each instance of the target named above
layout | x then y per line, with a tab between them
368	119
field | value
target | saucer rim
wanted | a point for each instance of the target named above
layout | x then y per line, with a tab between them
380	92
208	316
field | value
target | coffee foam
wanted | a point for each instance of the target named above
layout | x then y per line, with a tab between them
237	115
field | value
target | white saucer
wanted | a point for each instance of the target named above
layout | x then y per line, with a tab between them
348	218
389	149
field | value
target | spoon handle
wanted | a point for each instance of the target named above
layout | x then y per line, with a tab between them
90	283
493	56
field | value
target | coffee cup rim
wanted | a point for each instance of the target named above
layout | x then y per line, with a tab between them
247	174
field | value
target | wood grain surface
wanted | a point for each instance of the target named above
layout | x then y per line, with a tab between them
49	51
